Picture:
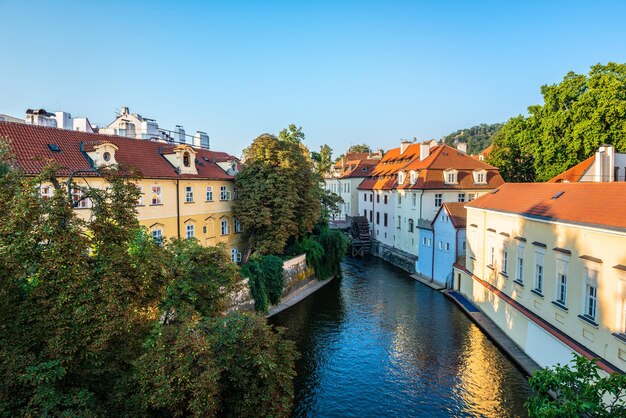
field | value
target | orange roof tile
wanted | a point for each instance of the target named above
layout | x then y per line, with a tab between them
575	173
601	205
457	212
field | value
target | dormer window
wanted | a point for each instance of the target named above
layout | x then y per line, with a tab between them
186	160
450	176
103	154
413	177
480	176
106	156
401	176
183	157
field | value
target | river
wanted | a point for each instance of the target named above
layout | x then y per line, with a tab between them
377	343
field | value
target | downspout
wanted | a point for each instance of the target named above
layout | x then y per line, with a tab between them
421	194
178	207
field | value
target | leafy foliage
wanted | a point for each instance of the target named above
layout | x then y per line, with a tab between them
578	115
292	134
266	281
322	160
477	137
324	251
579	390
279	195
96	319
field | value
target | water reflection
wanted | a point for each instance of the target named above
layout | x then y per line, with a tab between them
377	343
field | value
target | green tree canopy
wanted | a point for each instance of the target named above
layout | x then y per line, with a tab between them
578	115
292	133
279	194
477	137
96	319
323	159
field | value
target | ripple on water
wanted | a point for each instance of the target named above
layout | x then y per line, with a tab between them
378	343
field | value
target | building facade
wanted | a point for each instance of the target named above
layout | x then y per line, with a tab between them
410	185
546	263
344	178
186	192
605	165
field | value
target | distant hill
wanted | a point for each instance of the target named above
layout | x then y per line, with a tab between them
477	138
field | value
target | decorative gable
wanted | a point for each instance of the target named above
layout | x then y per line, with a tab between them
184	159
103	155
480	176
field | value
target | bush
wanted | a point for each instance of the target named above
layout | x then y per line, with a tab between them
335	245
265	278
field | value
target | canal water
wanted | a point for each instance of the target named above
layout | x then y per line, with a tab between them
377	343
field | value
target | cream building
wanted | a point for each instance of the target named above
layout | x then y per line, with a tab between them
187	192
547	263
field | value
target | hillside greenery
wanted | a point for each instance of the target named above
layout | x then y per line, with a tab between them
477	137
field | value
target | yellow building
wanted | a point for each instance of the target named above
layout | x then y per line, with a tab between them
186	191
547	263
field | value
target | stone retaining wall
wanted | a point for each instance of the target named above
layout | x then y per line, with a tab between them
398	258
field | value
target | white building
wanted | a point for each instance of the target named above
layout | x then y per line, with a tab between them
61	120
344	178
409	186
605	165
133	125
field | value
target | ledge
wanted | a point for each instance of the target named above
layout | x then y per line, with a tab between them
562	250
489	266
521	239
590	258
503	274
517	282
537	293
560	305
540	244
620	336
589	321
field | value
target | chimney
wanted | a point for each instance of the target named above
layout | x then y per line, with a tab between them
180	135
462	146
201	140
404	144
64	120
600	164
610	163
124	111
424	150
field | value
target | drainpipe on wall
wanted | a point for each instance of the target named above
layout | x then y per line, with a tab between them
178	207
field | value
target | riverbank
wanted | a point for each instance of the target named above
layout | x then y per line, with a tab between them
300	294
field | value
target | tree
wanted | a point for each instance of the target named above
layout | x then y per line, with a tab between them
292	134
278	194
360	148
577	116
579	391
477	137
322	160
96	319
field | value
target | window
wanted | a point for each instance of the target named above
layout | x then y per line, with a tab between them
410	225
461	197
385	199
399	224
209	194
441	245
591	294
238	227
561	282
621	316
414	199
450	176
106	156
235	255
480	177
492	255
371	197
438	199
384	219
520	264
157	236
399	199
364	197
78	200
189	194
377	198
401	176
224	195
505	260
371	215
189	228
45	192
377	218
413	177
447	246
156	195
224	228
464	246
186	160
365	212
471	196
539	272
235	194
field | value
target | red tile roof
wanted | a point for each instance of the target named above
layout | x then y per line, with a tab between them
457	212
600	205
430	171
575	173
30	144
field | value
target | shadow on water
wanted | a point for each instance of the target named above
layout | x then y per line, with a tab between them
377	343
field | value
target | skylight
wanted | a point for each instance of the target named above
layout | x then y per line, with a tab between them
557	195
54	148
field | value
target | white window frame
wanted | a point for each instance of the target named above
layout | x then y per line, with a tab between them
190	230
156	197
224	227
77	198
224	194
141	195
238	227
188	194
438	199
519	264
45	192
157	235
560	290
209	193
461	198
505	258
591	280
539	272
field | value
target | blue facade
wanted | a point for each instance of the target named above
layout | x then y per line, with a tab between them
425	253
448	245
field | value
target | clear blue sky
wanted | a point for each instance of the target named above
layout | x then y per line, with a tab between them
347	72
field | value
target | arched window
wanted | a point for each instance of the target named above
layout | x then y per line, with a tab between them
186	160
410	225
